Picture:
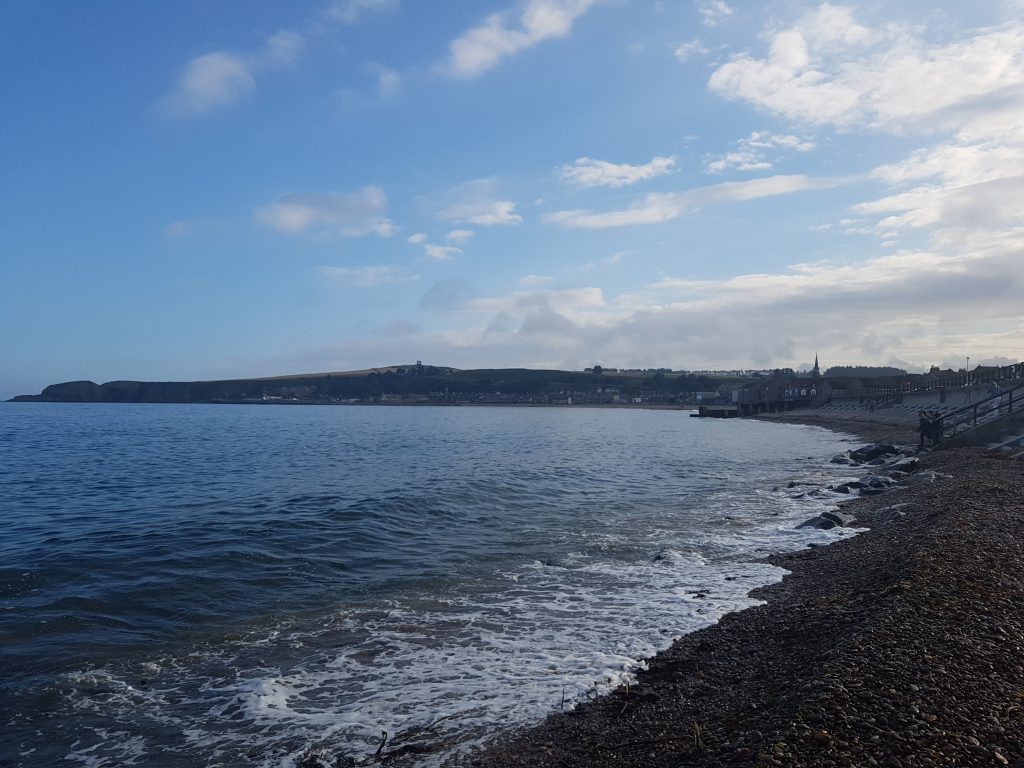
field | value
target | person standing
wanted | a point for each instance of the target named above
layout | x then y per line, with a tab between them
995	391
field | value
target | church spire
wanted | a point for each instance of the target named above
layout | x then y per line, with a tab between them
815	372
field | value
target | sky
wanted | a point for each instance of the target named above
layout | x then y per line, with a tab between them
209	189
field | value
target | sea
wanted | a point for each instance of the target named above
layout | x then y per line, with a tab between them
249	585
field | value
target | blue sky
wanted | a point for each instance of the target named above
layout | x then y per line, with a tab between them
211	189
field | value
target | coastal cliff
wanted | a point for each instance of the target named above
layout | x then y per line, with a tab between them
400	383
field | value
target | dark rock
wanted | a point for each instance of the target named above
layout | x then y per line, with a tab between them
894	517
871	491
839	518
820	522
873	451
906	464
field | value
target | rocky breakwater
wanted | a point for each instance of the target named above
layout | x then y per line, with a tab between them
900	647
886	468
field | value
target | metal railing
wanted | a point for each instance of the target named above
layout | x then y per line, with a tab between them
969	413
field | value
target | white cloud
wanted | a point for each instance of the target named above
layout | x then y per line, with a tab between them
480	202
686	51
220	79
350	11
987	205
208	82
588	172
483	47
417	239
969	184
658	208
282	49
714	12
745	160
829	69
768	140
751	153
653	209
349	214
459	235
442	252
960	162
368	277
485	213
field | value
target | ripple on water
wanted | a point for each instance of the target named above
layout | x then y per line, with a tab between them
228	585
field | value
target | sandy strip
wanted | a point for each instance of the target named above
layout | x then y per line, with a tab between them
900	647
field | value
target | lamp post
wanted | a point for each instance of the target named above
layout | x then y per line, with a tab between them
968	370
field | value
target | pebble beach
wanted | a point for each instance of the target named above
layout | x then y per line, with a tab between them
903	646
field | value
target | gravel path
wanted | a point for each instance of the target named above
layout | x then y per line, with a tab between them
903	646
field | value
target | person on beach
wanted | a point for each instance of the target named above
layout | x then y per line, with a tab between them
995	391
923	424
935	431
929	426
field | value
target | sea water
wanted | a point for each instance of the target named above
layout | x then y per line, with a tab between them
216	585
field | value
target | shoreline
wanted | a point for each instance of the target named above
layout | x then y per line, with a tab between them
899	647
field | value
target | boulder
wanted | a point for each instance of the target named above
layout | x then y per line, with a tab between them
841	458
894	516
841	519
922	478
873	451
828	520
895	513
906	464
818	522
